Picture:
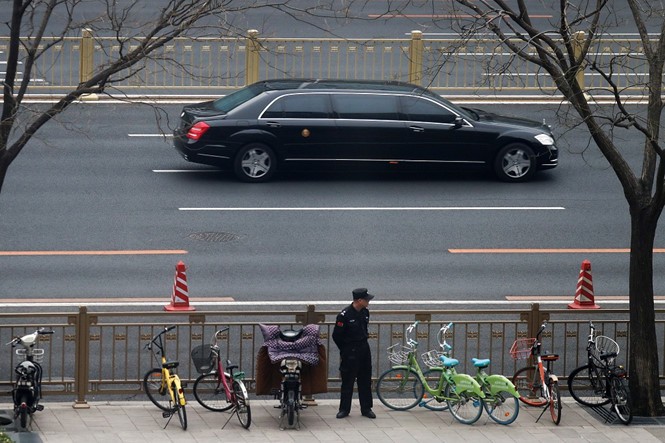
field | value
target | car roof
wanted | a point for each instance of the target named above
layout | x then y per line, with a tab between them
351	84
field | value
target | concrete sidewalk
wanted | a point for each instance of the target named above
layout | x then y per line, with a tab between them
142	422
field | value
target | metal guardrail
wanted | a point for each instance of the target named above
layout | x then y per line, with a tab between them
214	64
101	354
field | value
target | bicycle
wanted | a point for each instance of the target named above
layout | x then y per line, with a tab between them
601	381
501	398
27	390
218	389
162	385
402	387
537	384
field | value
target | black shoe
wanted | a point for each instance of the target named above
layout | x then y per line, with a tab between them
342	414
369	414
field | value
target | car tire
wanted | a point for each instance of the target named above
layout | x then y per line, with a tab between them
255	163
515	162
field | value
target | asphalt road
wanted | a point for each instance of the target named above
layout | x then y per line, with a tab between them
320	18
88	183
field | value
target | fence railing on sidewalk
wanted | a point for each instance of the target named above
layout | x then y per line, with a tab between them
213	64
101	354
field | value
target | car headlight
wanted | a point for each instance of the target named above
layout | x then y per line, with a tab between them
545	139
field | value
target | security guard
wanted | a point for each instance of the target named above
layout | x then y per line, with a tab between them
350	335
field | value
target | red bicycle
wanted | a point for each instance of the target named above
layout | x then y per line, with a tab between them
219	389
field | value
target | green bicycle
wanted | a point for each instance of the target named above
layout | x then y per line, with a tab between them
501	398
402	387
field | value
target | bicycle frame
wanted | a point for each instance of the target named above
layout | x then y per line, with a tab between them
168	378
224	375
462	382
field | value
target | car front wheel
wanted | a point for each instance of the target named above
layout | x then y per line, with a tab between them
515	163
255	162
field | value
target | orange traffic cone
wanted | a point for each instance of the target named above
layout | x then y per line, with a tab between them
179	296
584	293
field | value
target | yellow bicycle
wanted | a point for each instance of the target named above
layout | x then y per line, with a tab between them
162	385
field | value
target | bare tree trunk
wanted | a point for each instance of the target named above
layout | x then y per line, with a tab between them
644	381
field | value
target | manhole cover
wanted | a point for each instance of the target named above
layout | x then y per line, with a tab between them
215	237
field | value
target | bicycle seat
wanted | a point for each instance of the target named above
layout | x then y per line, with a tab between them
449	362
481	363
170	364
290	335
550	357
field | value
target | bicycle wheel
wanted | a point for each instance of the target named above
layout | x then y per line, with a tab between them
243	409
291	408
587	386
180	407
464	407
23	412
621	400
502	407
209	392
555	401
528	385
159	395
399	389
432	377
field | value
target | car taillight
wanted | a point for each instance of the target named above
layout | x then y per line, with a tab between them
197	131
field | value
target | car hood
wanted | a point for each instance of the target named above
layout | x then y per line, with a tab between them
486	116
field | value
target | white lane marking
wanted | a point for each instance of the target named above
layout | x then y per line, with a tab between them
159	171
388	208
150	135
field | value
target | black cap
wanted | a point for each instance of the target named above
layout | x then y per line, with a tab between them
362	293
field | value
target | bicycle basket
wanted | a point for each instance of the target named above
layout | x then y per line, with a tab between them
521	349
433	358
604	345
399	354
37	354
202	358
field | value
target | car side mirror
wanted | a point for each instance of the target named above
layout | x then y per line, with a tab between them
458	122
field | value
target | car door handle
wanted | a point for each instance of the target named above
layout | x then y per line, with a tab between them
273	124
417	128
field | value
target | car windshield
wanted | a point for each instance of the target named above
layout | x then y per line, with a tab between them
231	101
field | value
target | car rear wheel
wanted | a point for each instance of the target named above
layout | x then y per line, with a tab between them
515	163
255	162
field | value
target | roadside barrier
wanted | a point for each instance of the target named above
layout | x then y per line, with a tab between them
100	355
212	65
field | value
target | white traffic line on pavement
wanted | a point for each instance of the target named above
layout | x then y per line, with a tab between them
159	171
150	135
386	208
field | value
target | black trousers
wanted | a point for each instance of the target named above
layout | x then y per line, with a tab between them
356	365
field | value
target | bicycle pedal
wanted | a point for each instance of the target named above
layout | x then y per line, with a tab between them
166	414
39	408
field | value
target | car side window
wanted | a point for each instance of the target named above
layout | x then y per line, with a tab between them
422	110
366	106
298	106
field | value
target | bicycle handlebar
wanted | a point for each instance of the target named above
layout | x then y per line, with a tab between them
409	330
26	338
441	337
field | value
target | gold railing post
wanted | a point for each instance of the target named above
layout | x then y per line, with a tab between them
86	56
416	57
578	43
534	318
81	359
252	57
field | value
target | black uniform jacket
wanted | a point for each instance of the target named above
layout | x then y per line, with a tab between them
350	330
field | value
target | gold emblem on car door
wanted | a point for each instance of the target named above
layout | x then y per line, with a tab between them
305	133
